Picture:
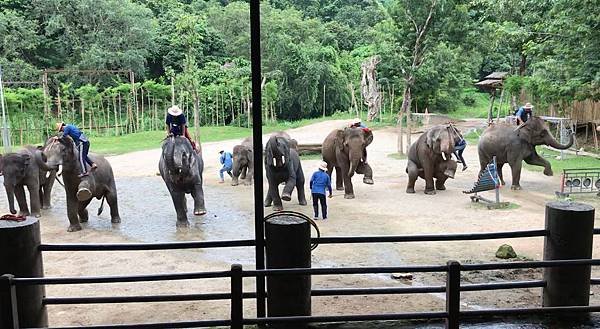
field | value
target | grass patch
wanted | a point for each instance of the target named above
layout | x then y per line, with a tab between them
483	205
397	156
571	161
473	136
312	156
473	104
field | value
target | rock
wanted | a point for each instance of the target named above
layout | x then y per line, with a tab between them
402	276
505	252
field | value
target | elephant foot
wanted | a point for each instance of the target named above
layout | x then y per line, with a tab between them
286	197
13	211
84	194
516	187
368	181
182	223
44	207
339	188
22	213
74	228
115	220
430	192
199	212
548	172
302	202
234	183
349	196
37	215
247	183
440	187
277	207
410	190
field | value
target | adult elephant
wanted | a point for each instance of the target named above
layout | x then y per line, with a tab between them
345	150
243	162
430	157
282	165
99	184
512	145
181	169
27	168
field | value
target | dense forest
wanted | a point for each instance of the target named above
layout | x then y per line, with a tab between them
120	61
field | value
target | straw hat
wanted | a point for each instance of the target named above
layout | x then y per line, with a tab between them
527	106
59	125
323	166
174	110
356	121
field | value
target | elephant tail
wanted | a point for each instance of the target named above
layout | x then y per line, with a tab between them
101	206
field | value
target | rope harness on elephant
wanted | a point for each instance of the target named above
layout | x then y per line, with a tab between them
314	245
14	218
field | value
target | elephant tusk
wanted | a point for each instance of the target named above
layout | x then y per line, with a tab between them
59	171
444	156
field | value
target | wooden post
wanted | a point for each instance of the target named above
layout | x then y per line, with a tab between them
288	246
9	313
237	299
490	115
323	100
453	295
570	227
21	257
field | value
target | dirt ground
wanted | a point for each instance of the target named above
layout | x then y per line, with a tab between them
380	209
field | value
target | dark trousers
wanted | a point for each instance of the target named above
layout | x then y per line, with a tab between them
316	198
459	156
84	149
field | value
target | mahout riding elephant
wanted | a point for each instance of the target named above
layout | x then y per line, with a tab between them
345	150
282	165
99	184
243	162
430	156
26	168
511	144
181	169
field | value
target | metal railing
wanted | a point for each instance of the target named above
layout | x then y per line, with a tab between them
452	314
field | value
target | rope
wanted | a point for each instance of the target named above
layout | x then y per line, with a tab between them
313	246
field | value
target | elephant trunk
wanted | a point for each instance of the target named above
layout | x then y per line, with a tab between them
354	161
553	143
170	154
10	193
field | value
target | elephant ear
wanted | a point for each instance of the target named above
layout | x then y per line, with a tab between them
433	140
293	144
368	137
524	132
339	139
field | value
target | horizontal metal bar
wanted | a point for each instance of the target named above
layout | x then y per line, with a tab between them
376	291
597	231
146	246
541	310
595	282
345	270
137	299
182	324
429	237
348	318
121	279
533	264
503	285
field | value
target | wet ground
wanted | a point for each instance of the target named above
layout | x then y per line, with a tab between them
380	209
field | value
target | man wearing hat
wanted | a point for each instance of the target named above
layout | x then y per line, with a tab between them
320	181
177	124
82	144
524	113
357	123
226	160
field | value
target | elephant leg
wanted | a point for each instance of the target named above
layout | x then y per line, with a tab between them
348	187
516	175
21	200
273	194
47	191
500	175
34	199
180	208
428	172
413	174
72	208
249	175
536	160
300	188
440	182
82	211
198	195
244	172
286	195
268	198
339	178
111	199
363	168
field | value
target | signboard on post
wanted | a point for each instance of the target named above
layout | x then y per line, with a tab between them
5	130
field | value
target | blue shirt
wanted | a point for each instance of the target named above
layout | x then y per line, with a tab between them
176	124
226	160
74	132
524	114
319	181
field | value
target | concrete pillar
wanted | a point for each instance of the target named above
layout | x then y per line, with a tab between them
570	227
288	246
20	256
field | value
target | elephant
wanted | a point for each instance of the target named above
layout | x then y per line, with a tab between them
99	184
27	168
243	162
430	156
181	169
282	165
345	150
512	145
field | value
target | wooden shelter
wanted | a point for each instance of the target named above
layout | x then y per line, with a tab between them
491	84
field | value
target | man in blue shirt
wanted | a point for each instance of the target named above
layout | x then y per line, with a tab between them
82	144
318	183
524	113
177	124
226	160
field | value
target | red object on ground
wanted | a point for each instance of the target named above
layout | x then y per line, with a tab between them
15	218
